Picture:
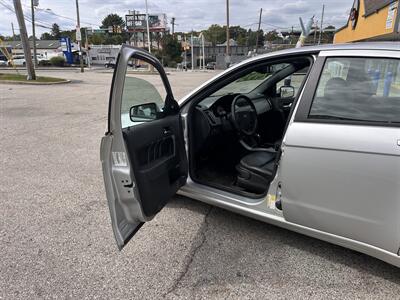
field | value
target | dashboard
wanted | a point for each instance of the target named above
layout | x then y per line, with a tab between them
220	105
212	115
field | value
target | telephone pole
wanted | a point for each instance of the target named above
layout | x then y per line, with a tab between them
173	26
78	36
33	34
12	28
24	39
322	23
227	34
148	28
258	30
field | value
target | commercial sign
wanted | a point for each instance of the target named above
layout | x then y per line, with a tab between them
137	22
66	48
391	15
78	34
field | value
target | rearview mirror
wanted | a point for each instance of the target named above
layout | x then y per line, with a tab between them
286	92
144	112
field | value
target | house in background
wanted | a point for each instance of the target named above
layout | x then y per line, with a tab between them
371	20
48	48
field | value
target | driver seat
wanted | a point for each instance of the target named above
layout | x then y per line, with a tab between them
255	171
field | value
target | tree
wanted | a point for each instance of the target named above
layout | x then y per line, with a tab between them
271	36
96	39
55	31
216	34
112	20
69	33
46	36
238	34
170	53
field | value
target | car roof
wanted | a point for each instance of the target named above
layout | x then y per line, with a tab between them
389	46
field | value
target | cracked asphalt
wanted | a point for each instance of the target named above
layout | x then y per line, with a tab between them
56	239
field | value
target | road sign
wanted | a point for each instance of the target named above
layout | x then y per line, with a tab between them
137	22
78	34
99	31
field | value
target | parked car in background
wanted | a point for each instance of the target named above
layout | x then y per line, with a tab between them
307	139
211	66
19	60
3	62
110	64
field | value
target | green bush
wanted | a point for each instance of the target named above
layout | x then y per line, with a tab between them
172	64
57	61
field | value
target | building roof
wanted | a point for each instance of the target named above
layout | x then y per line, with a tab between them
372	6
40	44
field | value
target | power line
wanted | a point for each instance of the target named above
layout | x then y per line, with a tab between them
44	24
41	23
64	17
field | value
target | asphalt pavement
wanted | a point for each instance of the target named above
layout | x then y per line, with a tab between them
55	235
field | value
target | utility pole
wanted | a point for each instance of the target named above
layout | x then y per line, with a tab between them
134	28
24	39
204	53
78	36
322	23
173	26
315	32
12	28
258	30
227	34
192	50
185	57
148	29
87	47
33	34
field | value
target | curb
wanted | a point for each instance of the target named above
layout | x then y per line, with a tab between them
17	82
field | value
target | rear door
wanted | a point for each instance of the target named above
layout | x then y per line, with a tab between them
142	153
341	161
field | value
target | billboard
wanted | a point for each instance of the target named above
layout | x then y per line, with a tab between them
137	23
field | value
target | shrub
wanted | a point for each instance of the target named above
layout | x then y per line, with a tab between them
57	61
172	64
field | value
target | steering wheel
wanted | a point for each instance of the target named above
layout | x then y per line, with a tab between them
244	115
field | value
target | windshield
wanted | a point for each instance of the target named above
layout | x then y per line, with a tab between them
250	81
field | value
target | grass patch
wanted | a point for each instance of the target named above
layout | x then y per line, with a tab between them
19	77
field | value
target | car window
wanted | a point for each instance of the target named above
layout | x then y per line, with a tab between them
143	97
295	80
358	89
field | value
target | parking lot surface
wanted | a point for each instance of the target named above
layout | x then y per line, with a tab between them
55	235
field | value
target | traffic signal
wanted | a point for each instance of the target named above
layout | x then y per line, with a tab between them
115	29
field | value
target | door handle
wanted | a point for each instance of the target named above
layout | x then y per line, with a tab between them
167	130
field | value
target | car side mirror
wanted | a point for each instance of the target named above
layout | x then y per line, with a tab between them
286	92
144	112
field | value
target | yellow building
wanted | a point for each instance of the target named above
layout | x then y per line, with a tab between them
371	20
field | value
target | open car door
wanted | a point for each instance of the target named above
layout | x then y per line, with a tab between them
143	152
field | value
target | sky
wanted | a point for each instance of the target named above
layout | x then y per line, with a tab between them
189	14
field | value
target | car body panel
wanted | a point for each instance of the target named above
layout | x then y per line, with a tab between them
374	229
260	212
335	180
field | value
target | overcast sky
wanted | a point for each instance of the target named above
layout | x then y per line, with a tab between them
189	14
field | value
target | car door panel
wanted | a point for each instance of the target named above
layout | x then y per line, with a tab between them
340	184
143	164
341	176
155	149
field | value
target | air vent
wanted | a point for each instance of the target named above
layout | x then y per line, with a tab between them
211	117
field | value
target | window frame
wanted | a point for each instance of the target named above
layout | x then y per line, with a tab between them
307	99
